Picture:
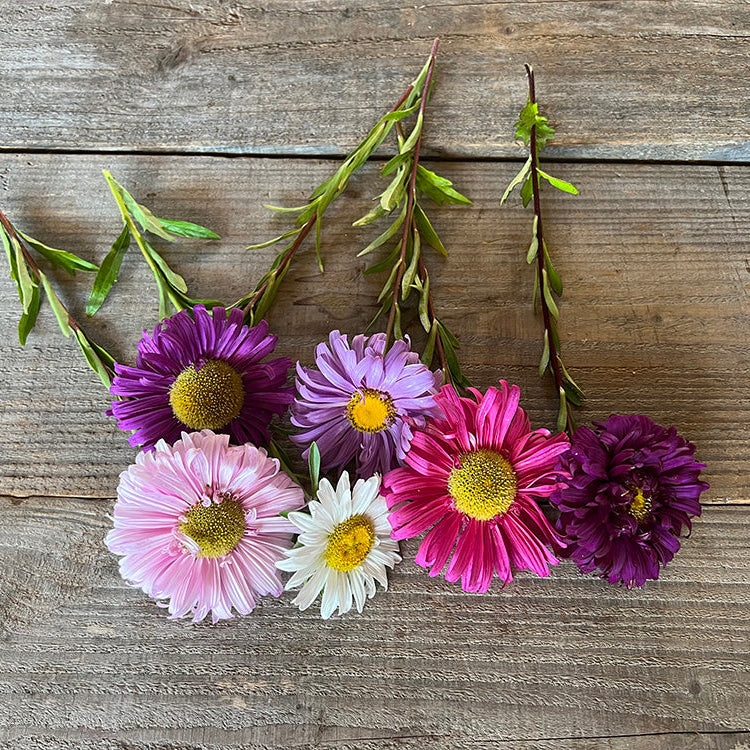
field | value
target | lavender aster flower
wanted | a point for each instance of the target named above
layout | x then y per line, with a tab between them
201	372
633	487
361	402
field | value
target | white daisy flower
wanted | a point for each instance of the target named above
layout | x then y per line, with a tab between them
344	546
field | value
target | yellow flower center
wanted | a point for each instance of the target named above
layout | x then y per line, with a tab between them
349	543
484	486
217	528
209	398
640	507
370	411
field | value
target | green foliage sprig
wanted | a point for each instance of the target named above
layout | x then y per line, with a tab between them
410	228
173	290
31	280
311	213
536	133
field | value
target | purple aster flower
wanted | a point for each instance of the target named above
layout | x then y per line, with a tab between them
361	402
633	486
202	373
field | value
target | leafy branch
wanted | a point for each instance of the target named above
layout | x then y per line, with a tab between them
536	133
410	227
172	287
30	280
311	213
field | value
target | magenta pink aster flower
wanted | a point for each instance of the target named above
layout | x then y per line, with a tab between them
472	478
633	487
361	403
202	372
198	524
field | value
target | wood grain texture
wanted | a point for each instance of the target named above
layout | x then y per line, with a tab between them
654	317
623	79
90	662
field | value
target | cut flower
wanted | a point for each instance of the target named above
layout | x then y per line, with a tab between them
633	486
202	372
472	478
362	402
344	547
198	524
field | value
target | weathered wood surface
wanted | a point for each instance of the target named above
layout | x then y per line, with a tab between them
91	663
654	317
633	79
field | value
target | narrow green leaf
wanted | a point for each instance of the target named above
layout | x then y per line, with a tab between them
554	277
399	114
439	189
534	246
387	262
25	282
373	215
57	307
65	260
188	229
313	462
383	238
544	362
426	230
411	141
164	308
280	238
571	382
397	332
566	187
28	319
379	314
429	349
517	180
535	293
411	272
548	298
287	209
107	274
395	163
394	193
389	283
573	395
424	300
92	357
285	463
172	277
527	191
143	215
562	414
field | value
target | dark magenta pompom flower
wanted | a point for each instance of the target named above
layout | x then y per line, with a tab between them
633	487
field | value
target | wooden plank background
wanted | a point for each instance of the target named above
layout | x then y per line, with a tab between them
655	258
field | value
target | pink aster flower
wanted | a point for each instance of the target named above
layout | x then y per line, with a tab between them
472	478
198	524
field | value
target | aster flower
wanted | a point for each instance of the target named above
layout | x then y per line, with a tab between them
362	402
633	487
198	524
201	372
472	478
345	546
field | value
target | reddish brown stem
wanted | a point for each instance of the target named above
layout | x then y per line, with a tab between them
410	199
546	317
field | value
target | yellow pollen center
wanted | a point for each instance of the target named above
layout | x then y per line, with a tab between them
217	528
640	507
349	543
370	410
208	398
484	486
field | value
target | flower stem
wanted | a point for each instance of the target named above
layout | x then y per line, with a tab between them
554	356
410	199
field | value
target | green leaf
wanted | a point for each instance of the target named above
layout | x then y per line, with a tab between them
424	300
313	463
285	463
281	237
394	193
318	228
562	414
287	209
397	332
164	309
25	282
188	229
172	278
373	215
517	180
548	298
544	362
527	191
399	114
411	141
389	284
530	118
410	274
65	260
107	274
92	357
554	277
566	187
57	307
534	246
387	262
28	319
141	214
429	349
573	386
426	230
454	368
438	189
573	394
379	314
394	163
383	238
